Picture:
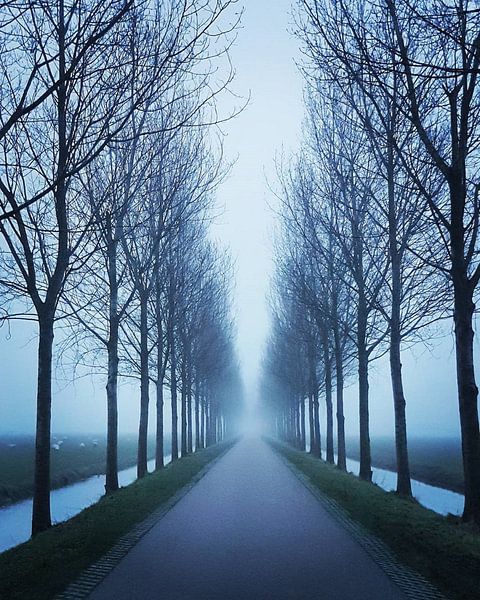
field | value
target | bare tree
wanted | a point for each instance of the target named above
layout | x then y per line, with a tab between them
423	59
96	82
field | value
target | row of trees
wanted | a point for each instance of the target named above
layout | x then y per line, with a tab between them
107	172
379	216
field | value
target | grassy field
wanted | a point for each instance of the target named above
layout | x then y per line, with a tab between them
440	548
434	461
76	458
42	567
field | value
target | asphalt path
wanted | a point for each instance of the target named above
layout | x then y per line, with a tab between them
248	530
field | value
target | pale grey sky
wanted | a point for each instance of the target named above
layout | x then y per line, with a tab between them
263	57
264	61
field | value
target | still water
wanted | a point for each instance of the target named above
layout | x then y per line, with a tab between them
15	520
438	499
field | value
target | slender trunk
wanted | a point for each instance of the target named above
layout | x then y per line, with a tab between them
310	424
467	395
197	414
302	424
298	435
403	468
183	400
464	309
111	472
365	457
207	421
159	430
159	449
401	445
159	445
328	398
341	451
202	421
189	410
316	446
292	436
144	388
316	425
173	394
41	518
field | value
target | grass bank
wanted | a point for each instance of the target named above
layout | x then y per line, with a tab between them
44	566
434	461
442	549
73	458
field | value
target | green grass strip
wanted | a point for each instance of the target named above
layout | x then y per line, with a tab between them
442	549
44	566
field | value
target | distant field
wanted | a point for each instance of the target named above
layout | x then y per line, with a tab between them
434	461
77	457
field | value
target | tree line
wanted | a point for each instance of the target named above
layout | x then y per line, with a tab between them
379	217
109	164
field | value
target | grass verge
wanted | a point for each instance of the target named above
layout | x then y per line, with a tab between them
44	566
441	549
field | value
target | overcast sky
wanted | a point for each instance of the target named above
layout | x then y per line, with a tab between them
264	59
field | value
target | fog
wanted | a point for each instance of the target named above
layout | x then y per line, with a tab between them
264	58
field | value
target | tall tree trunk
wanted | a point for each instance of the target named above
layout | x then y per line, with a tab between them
207	421
316	424
111	475
464	309
467	394
183	400
401	445
202	420
363	410
159	446
173	395
197	413
189	409
111	472
311	426
403	468
341	451
302	424
159	443
298	435
41	518
144	388
365	457
328	398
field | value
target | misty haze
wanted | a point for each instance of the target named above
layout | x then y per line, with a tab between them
239	269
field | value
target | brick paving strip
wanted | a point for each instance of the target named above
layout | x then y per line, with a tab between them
84	585
412	584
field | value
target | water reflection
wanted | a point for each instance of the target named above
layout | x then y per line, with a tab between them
15	520
438	499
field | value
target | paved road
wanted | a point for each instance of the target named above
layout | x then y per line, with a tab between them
249	530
